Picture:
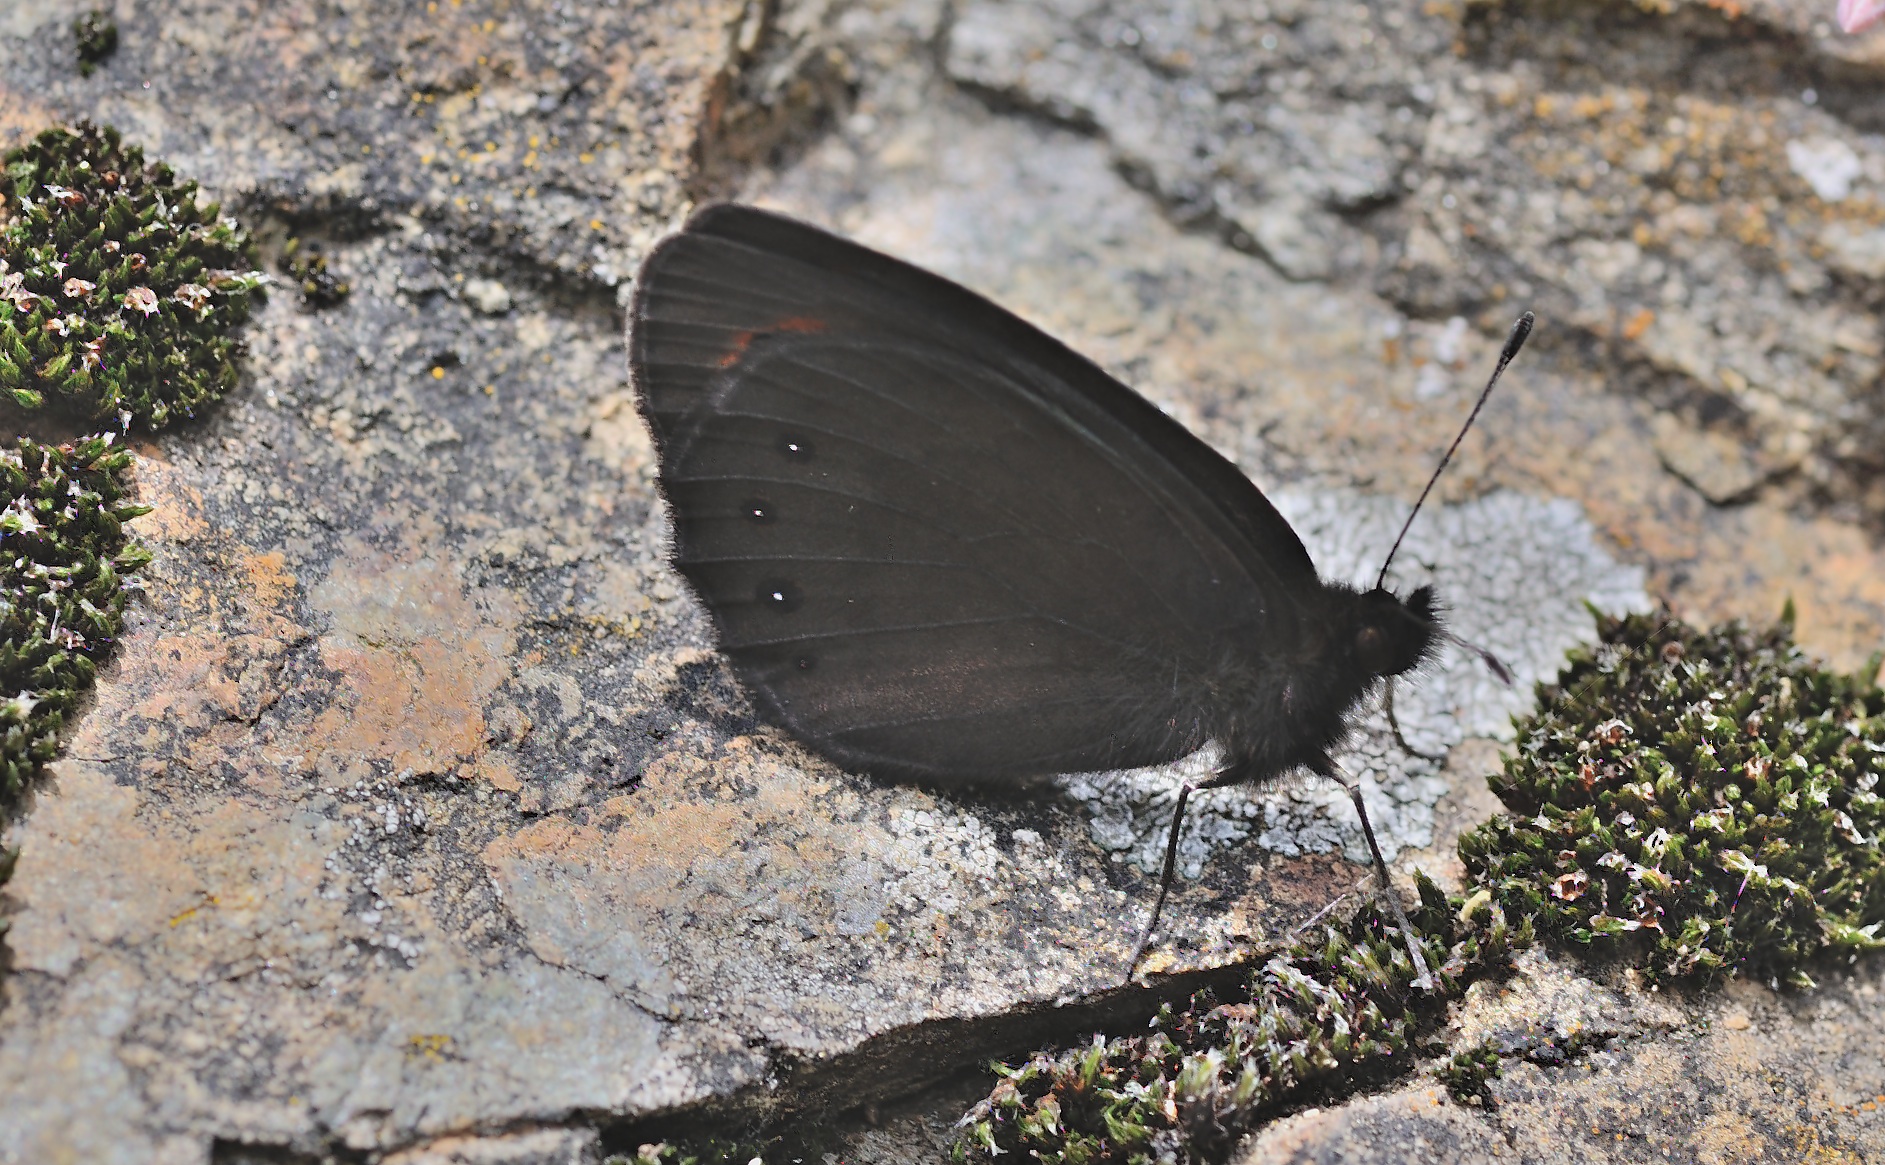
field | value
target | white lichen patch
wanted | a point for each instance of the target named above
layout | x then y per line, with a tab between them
1514	575
933	856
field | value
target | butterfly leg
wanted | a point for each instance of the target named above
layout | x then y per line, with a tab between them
1395	724
1229	775
1423	978
1165	878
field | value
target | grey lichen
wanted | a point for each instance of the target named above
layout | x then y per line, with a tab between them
118	293
64	562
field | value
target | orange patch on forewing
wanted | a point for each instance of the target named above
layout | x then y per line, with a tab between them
740	342
744	340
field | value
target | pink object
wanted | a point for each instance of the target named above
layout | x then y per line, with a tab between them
1855	15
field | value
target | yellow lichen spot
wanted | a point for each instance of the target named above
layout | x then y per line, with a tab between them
1639	323
429	1046
585	157
490	147
184	917
534	141
882	928
530	159
366	149
438	373
426	159
430	98
490	390
595	224
489	25
433	6
418	97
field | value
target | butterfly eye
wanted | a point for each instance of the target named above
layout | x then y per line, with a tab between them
1371	649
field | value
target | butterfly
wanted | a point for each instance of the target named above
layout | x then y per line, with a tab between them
938	545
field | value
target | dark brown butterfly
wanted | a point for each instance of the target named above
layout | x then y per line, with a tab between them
939	545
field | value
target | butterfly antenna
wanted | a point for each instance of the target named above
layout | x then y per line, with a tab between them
1513	342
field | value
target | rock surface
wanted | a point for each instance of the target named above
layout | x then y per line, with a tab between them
418	821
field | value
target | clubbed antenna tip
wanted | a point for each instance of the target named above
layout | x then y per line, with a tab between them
1521	330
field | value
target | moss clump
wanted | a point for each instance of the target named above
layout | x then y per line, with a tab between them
710	1151
1334	1009
307	266
97	37
1703	802
64	559
1468	1074
118	293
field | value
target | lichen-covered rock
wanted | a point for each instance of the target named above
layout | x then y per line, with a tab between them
118	292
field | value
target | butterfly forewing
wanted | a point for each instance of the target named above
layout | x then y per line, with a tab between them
935	542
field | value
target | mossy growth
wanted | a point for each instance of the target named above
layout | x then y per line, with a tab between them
1468	1074
1700	802
118	292
306	265
64	561
706	1151
97	37
1335	1009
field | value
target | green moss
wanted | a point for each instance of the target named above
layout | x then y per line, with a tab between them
118	293
709	1151
97	37
64	561
1468	1074
1704	803
1334	1009
307	267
